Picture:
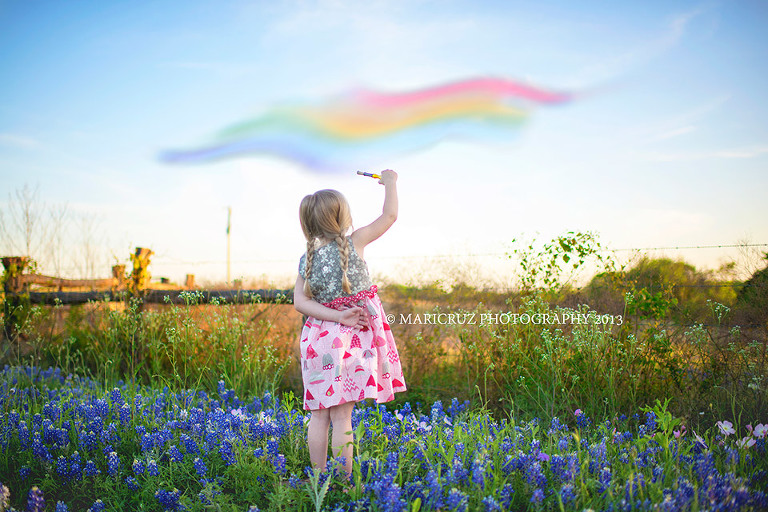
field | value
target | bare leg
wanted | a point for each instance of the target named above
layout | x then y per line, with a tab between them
342	438
317	438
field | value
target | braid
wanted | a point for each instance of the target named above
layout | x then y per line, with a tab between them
343	244
308	269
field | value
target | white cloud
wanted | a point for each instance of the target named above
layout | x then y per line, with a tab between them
735	153
19	141
676	132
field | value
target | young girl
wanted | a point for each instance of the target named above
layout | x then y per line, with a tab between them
347	349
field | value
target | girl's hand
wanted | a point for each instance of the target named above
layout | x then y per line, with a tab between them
354	317
388	176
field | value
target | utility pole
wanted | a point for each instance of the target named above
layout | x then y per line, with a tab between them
229	244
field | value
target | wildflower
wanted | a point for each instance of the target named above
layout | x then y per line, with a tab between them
98	506
152	468
700	440
138	467
75	466
538	496
567	495
91	469
605	480
113	464
132	483
761	430
581	419
174	454
679	433
726	427
169	499
745	442
280	463
200	466
61	507
490	504
505	495
35	502
125	414
457	500
62	468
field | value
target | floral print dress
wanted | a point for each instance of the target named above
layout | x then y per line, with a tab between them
342	364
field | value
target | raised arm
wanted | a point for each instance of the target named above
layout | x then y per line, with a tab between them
352	317
367	234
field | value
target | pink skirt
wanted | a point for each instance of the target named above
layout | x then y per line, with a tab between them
342	364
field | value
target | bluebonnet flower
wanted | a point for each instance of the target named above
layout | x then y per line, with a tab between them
98	506
478	473
125	414
581	419
113	464
61	507
537	496
169	500
23	435
633	485
189	444
490	504
152	468
273	447
91	469
280	464
88	439
132	483
604	480
567	495
35	501
39	449
200	467
138	467
434	490
147	442
62	468
24	472
388	495
75	466
175	454
457	500
227	455
505	495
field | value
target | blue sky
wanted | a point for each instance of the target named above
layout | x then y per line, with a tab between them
668	147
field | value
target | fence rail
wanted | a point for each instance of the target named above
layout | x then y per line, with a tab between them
166	296
18	283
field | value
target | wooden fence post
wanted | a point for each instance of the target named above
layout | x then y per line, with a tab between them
13	287
118	272
140	275
190	282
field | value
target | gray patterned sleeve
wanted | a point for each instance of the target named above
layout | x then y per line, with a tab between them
302	265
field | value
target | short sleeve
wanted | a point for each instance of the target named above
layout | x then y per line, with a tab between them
302	265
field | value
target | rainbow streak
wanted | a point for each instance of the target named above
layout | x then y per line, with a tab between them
369	126
487	87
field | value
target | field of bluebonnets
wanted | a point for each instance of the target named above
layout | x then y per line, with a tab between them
657	402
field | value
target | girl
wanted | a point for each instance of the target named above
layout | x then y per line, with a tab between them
347	349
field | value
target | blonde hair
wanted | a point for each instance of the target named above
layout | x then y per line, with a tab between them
325	214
